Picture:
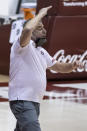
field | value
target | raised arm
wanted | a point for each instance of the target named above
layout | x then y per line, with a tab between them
66	67
31	25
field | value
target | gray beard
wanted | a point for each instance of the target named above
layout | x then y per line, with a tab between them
40	41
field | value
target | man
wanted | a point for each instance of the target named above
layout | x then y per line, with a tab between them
28	64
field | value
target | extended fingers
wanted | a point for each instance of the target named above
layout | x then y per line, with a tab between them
79	64
49	7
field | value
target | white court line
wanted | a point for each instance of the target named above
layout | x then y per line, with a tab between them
73	85
4	92
56	94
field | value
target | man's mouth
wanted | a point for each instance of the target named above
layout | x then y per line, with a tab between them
41	41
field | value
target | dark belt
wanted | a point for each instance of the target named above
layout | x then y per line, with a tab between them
16	101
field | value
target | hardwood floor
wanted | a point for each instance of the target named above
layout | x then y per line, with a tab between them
64	107
4	78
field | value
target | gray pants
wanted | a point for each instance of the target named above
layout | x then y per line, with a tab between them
26	113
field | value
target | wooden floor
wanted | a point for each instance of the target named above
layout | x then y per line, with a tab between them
64	107
4	78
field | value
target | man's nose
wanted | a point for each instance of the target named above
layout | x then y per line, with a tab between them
44	31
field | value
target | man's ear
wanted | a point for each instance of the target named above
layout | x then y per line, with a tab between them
33	37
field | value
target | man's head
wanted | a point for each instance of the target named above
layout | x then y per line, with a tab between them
38	34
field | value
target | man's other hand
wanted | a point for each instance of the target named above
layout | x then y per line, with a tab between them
77	64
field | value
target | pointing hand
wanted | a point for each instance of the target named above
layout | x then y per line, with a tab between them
43	11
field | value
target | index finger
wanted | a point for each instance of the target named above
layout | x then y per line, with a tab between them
49	7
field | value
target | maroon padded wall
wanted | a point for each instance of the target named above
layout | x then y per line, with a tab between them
66	32
4	49
72	7
64	7
45	3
